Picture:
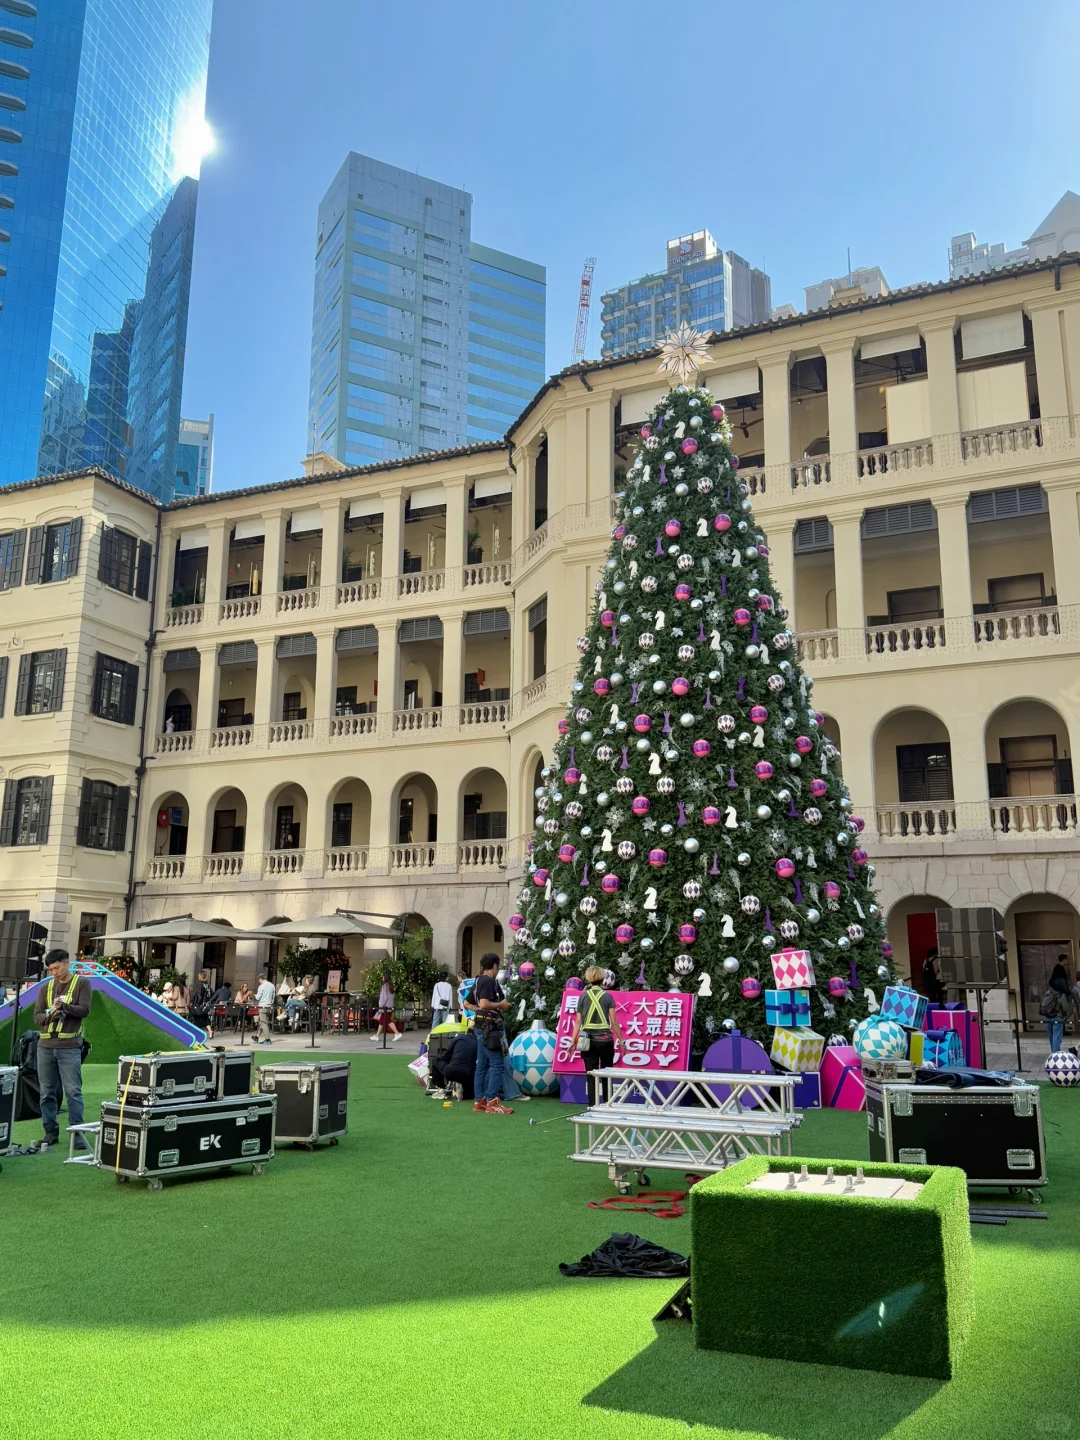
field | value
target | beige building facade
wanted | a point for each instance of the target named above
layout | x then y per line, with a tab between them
347	683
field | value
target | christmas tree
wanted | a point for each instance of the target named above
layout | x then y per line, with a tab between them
693	821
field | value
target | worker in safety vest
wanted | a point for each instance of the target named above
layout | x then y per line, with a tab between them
62	1004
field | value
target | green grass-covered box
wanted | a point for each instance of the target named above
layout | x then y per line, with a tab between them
825	1272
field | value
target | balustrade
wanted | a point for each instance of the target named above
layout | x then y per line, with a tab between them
1001	440
412	857
347	860
481	854
232	737
354	592
343	726
805	473
289	601
1033	815
283	862
175	742
916	822
284	732
1036	623
754	480
903	639
486	712
421	582
225	867
492	572
166	867
895	459
818	646
179	615
246	608
407	721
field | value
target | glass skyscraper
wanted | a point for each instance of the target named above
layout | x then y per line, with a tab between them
100	143
194	459
420	340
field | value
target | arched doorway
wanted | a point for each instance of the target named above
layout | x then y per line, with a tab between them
912	933
913	783
480	933
1029	770
1042	930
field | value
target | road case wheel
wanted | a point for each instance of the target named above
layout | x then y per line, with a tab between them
155	1185
258	1169
642	1178
333	1139
122	1179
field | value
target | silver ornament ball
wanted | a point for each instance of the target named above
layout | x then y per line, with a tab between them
731	965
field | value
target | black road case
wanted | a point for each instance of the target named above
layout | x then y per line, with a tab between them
234	1073
171	1075
9	1080
183	1137
312	1100
994	1133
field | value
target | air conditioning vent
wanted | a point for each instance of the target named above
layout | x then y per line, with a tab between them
1006	504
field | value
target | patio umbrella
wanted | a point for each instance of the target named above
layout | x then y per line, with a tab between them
184	927
340	923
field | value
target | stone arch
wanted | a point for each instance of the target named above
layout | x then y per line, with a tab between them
913	785
478	933
912	934
169	822
482	808
1029	763
414	810
285	822
223	836
1040	927
352	828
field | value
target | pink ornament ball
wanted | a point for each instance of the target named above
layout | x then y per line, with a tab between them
539	878
602	686
734	462
718	411
640	805
526	970
516	922
721	523
610	884
680	685
758	714
750	988
711	815
763	770
785	868
646	431
657	859
642	724
572	776
818	788
689	445
702	749
624	934
672	528
566	854
607	619
574	983
564	727
858	823
832	890
886	950
819	718
683	592
764	602
742	617
687	934
804	744
859	857
618	532
838	987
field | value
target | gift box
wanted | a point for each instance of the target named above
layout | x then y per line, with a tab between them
806	1092
966	1024
789	1009
906	1007
916	1039
798	1050
942	1049
842	1083
793	970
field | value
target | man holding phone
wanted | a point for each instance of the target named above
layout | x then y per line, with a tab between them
62	1004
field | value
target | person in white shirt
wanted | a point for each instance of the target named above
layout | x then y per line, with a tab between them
265	996
442	997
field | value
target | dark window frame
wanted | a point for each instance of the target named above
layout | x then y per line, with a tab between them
103	816
116	689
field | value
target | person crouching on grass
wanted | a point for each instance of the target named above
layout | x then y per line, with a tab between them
596	1028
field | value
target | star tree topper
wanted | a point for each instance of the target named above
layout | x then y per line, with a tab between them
683	353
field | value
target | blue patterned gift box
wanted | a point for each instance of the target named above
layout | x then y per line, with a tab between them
906	1007
942	1049
787	1009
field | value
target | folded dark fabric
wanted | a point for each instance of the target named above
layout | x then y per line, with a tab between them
631	1257
962	1077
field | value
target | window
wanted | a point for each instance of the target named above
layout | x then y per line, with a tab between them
103	815
538	631
40	688
124	562
341	829
1030	766
924	772
228	837
3	682
1016	592
286	830
116	685
53	552
12	550
24	819
291	708
91	929
345	700
921	604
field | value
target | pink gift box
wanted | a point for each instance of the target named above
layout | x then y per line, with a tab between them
842	1083
966	1024
793	970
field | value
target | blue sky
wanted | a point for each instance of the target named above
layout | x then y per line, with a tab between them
791	131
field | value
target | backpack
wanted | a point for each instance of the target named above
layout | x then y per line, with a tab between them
1050	1006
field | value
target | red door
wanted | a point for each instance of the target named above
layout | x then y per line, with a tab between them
922	938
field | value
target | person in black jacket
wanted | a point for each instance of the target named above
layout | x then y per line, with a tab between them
201	1004
457	1067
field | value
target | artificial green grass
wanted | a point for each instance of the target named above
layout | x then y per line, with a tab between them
112	1030
870	1283
405	1285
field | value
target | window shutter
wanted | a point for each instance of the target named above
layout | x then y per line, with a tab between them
7	813
813	534
1063	776
13	570
537	613
290	646
3	682
45	813
105	555
142	570
99	672
995	779
22	689
59	671
71	563
82	829
486	622
118	828
357	637
129	690
35	556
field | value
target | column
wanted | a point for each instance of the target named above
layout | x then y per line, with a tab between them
848	569
217	560
266	683
601	452
273	557
325	678
525	460
776	411
941	373
857	755
1047	332
156	688
843	427
457	517
781	537
333	543
206	709
1065	539
452	676
388	697
955	563
393	522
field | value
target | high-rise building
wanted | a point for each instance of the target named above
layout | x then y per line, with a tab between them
1058	232
99	158
194	459
405	308
702	285
869	280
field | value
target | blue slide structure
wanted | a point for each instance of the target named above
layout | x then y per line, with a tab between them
105	981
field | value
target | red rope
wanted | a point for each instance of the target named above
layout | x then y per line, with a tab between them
663	1204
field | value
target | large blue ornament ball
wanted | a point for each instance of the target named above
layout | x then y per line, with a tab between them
877	1038
1063	1068
532	1060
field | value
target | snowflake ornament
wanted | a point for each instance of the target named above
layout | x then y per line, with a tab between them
683	353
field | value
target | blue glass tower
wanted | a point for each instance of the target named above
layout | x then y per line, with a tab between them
101	133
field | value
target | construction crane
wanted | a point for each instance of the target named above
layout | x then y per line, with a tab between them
581	333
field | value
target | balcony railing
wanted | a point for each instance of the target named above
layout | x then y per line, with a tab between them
754	480
895	459
407	721
232	737
175	742
808	473
485	712
901	638
357	592
290	601
999	440
344	726
225	867
1033	815
916	821
288	732
412	857
179	615
1034	623
166	867
283	862
246	608
347	860
492	572
818	647
481	854
421	582
554	686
